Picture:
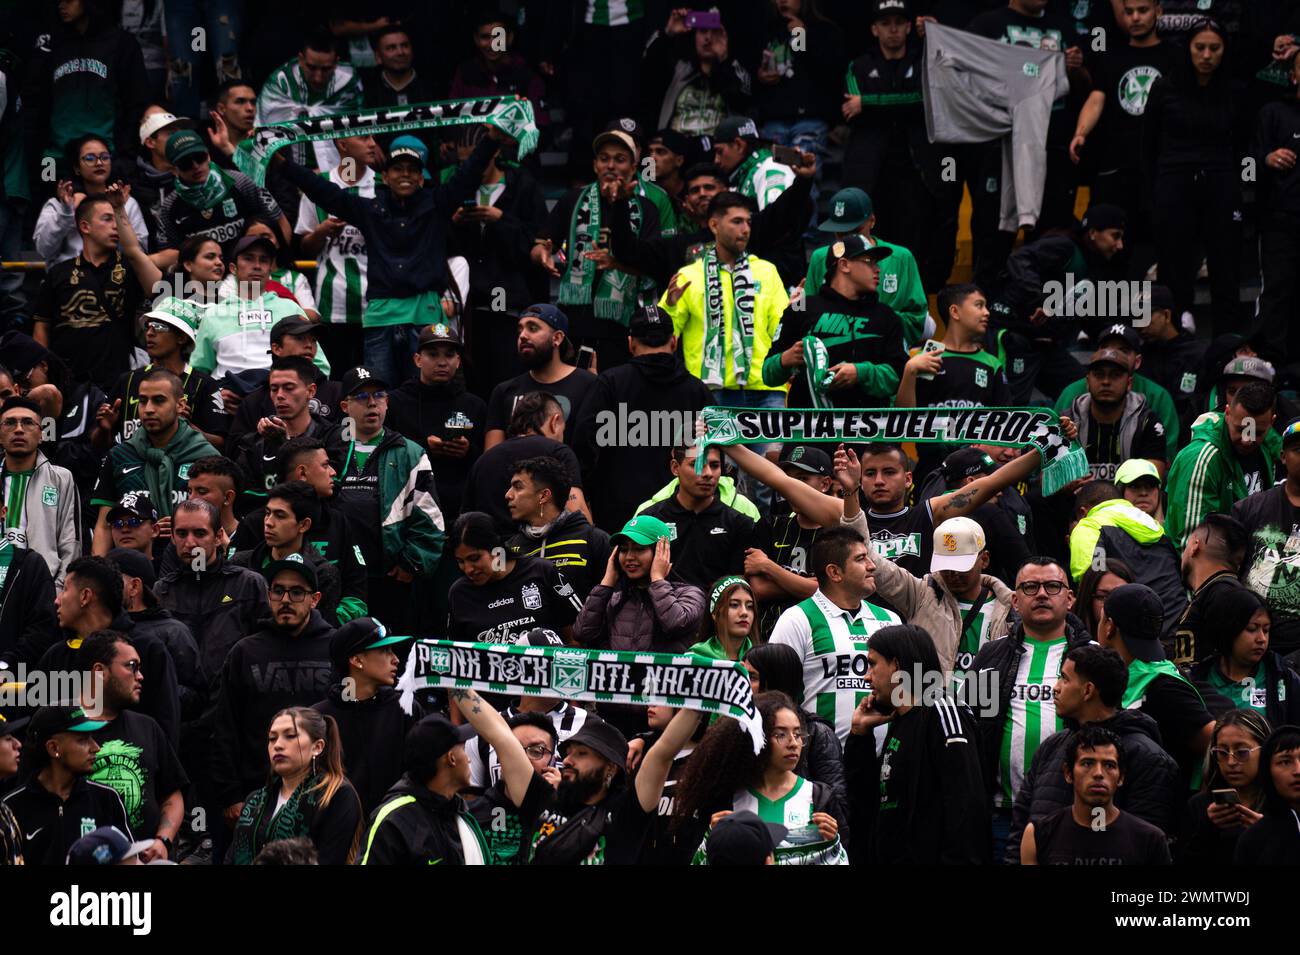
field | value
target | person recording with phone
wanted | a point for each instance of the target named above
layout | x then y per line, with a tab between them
1230	800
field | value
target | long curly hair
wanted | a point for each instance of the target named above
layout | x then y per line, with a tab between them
725	762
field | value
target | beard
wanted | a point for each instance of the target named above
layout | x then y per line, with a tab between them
539	357
573	794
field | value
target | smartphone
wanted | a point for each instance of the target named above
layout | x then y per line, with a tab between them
930	347
1225	797
586	355
703	20
787	155
469	204
457	431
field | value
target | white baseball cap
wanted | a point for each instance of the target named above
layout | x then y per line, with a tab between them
957	544
154	122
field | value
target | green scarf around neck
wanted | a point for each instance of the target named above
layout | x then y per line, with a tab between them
715	320
161	463
1140	675
742	180
208	195
612	294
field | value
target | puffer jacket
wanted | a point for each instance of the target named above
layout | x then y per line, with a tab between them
927	602
663	618
822	760
1151	791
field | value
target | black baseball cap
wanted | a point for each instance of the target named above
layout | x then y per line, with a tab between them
883	8
136	504
964	463
549	314
359	635
1139	615
107	845
22	353
435	736
295	563
743	839
249	241
1161	298
541	637
678	143
439	333
604	738
808	459
13	721
736	127
134	563
357	378
651	325
292	325
1125	333
854	247
1104	215
51	720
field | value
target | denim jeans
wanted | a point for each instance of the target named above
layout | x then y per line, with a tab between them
220	22
756	491
388	352
806	134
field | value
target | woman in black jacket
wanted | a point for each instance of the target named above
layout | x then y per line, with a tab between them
776	667
1275	839
1231	799
1242	672
305	795
1192	175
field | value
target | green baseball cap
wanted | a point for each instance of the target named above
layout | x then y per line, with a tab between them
642	530
184	143
1135	469
179	314
849	209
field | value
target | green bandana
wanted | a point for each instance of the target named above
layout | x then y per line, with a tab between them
613	294
208	195
817	371
1140	675
715	319
513	115
160	464
1063	460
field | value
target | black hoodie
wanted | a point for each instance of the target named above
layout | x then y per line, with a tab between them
575	548
264	673
176	637
417	410
373	733
653	393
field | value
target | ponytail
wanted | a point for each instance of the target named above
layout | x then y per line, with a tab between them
328	766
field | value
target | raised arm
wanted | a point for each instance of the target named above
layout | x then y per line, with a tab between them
653	773
813	504
516	770
146	273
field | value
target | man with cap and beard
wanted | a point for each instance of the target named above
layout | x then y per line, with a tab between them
543	345
1115	424
599	817
655	387
1130	624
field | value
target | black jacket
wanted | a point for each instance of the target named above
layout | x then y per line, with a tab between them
27	622
707	544
373	733
1003	657
498	252
892	121
576	549
1151	790
1278	127
1202	842
264	673
406	238
220	605
1274	840
657	384
159	694
1281	685
490	475
257	405
328	581
256	456
413	826
418	410
192	682
1178	366
822	760
50	826
1024	285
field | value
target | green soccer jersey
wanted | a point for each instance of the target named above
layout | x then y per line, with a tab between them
832	643
1032	717
1251	693
973	636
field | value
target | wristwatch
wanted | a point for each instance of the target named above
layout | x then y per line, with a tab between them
168	843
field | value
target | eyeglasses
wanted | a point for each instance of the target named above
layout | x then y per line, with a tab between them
1240	754
189	162
369	396
538	751
16	424
97	157
296	595
132	665
1050	587
124	522
781	737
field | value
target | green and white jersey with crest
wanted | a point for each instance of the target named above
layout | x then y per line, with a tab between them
804	843
832	643
341	278
973	636
1032	715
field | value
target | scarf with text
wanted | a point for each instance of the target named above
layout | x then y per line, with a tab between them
612	293
680	680
817	371
513	115
1063	460
715	320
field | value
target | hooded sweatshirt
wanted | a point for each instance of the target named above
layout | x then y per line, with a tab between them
417	410
373	732
265	672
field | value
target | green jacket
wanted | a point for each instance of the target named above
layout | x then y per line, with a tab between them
1158	398
413	526
1206	476
900	286
726	494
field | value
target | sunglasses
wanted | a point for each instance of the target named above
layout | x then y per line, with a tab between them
124	522
185	163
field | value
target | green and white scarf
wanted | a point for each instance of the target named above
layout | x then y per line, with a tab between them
612	294
679	680
715	320
214	190
1063	460
817	371
743	179
6	558
511	114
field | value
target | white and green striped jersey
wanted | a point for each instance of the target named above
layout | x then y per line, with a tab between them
803	844
235	335
15	499
613	13
973	636
1032	717
832	643
342	263
286	96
